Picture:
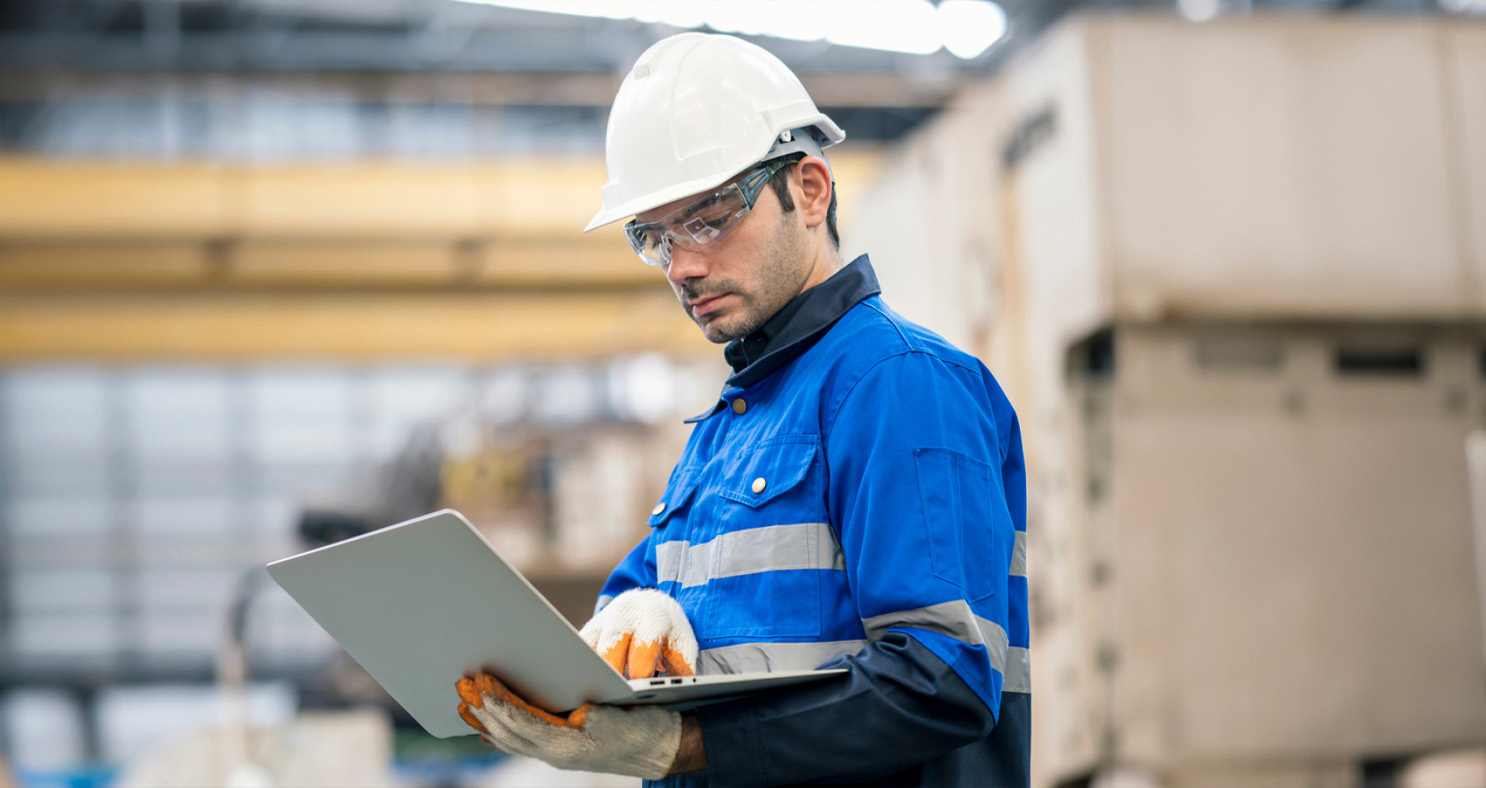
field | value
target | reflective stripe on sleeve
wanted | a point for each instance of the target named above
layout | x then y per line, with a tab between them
772	657
604	600
955	619
769	549
1018	674
1019	555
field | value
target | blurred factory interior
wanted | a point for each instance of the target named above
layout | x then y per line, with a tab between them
273	272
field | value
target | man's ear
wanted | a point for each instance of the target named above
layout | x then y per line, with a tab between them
815	190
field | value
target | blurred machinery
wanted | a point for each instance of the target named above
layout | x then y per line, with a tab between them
316	750
559	481
560	490
1234	277
552	458
554	462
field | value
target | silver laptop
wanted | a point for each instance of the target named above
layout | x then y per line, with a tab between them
426	602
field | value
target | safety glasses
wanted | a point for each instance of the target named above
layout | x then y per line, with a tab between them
704	222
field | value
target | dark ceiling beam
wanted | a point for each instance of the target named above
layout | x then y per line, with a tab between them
272	47
269	35
547	88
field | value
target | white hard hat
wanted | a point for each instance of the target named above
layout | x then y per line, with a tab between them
695	110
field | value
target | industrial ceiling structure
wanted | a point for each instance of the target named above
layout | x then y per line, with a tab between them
214	79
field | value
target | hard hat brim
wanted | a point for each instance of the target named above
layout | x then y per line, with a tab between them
832	133
656	199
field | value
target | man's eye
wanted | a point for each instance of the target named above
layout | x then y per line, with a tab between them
704	206
715	218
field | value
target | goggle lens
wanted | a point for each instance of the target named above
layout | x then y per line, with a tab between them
649	242
701	224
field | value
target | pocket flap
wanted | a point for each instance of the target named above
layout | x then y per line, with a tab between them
771	469
678	492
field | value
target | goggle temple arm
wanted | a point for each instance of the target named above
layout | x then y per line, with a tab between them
801	140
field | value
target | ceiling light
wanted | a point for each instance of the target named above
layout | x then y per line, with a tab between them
1199	10
970	27
964	27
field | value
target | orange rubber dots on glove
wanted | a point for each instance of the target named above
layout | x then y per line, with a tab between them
641	742
641	632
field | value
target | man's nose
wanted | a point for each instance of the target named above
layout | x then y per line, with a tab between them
686	265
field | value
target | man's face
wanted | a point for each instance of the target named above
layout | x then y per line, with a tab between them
735	285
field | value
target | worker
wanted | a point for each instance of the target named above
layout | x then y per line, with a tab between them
854	499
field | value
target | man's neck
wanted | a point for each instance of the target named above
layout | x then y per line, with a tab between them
827	263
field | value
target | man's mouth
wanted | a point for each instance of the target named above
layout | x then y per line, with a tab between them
705	305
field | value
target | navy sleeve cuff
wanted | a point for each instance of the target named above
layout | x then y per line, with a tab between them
899	707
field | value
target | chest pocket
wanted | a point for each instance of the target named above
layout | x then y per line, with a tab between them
677	495
764	567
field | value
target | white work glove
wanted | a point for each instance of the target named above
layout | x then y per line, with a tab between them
641	741
643	631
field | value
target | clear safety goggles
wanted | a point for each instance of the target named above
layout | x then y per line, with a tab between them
704	222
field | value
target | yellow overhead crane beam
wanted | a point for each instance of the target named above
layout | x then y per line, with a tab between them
478	260
350	225
479	327
532	196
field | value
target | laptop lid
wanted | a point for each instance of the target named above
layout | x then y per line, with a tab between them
423	603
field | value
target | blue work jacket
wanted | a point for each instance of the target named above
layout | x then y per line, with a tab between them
861	506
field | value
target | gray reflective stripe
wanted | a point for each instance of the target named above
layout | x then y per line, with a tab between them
766	657
668	561
603	601
772	657
1018	674
1019	555
769	549
952	618
682	562
776	547
695	562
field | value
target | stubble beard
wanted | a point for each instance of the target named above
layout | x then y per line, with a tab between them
781	277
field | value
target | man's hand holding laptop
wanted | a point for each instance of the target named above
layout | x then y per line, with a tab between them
641	633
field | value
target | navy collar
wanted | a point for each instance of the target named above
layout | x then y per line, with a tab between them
797	326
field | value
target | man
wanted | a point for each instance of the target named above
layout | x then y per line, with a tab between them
855	498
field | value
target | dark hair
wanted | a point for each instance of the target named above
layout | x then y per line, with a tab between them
780	182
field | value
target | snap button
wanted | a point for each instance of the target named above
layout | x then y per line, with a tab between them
739	406
759	484
660	507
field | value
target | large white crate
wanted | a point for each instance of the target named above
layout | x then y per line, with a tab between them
1266	560
1144	168
1248	566
1464	66
1279	167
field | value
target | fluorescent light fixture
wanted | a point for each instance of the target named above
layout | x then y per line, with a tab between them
1199	10
965	27
1464	6
970	27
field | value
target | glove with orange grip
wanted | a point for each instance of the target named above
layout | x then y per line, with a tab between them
640	633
